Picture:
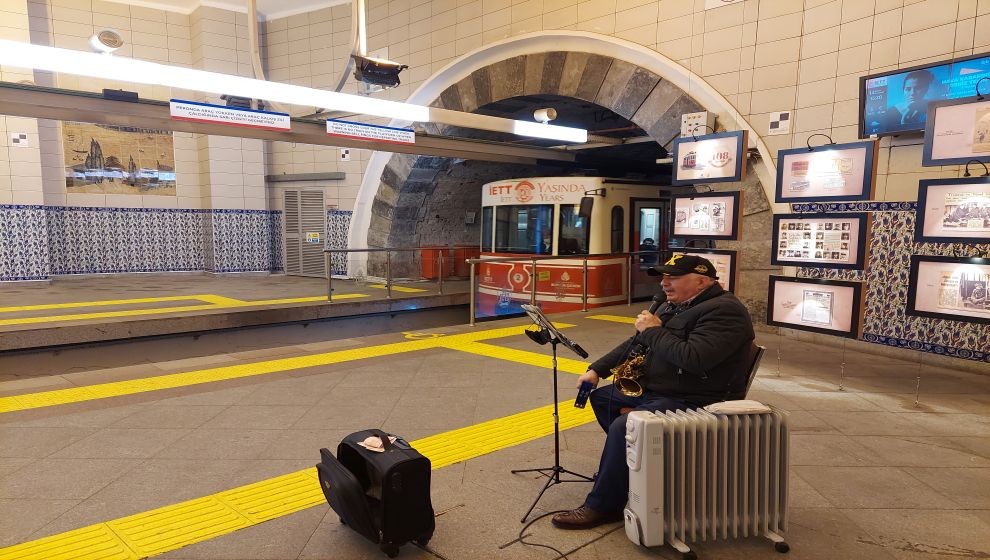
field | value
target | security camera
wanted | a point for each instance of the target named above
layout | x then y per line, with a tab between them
377	71
545	115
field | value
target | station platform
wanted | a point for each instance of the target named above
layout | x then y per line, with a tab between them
207	451
73	310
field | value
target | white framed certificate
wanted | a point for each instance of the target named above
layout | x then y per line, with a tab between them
824	306
957	131
834	172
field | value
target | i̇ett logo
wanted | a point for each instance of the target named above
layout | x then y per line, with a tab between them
524	191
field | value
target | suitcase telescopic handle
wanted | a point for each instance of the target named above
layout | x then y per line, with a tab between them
386	443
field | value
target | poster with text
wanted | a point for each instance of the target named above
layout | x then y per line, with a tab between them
954	210
712	158
712	215
958	131
953	288
830	241
832	172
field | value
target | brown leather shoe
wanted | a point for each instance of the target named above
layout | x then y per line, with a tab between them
583	518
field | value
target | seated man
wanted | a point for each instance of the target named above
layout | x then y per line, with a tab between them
696	354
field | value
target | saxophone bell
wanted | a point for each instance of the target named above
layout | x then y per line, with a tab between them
627	376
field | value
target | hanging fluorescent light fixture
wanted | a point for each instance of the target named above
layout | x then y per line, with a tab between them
66	61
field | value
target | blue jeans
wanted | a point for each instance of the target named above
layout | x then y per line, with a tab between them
609	493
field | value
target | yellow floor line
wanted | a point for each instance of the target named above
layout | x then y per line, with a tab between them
613	318
215	302
103	303
172	527
397	288
520	356
184	379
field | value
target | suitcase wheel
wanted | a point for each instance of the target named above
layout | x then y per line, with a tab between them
390	550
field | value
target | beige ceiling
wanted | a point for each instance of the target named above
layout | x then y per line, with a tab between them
268	9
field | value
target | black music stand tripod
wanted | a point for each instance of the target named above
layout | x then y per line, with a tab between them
549	333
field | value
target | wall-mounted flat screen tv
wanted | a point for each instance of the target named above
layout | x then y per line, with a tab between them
897	102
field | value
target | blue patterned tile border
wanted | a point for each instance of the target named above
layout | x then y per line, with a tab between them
823	207
39	241
338	227
962	353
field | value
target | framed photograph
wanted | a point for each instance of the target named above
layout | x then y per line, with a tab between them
957	131
953	210
824	306
953	288
710	215
712	158
821	240
833	172
725	262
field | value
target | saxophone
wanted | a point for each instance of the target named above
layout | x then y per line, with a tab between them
626	375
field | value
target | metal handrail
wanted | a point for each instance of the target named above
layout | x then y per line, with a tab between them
442	250
532	259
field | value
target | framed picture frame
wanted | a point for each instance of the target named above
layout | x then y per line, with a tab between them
952	288
834	172
726	263
821	240
957	131
709	215
953	210
712	158
833	307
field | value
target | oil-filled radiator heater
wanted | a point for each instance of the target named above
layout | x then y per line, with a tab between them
695	476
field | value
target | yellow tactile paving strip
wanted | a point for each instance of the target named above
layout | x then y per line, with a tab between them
213	302
170	381
405	289
519	356
172	527
613	318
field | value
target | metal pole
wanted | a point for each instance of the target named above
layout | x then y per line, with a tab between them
584	282
630	282
471	281
532	282
440	258
388	274
328	258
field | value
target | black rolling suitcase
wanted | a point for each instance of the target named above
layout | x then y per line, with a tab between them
383	496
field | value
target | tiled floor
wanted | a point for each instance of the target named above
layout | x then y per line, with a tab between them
874	476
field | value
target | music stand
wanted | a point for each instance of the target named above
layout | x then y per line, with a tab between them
549	333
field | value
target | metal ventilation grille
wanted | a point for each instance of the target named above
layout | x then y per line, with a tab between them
313	218
304	216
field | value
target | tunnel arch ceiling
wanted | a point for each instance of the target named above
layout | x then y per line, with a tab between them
423	200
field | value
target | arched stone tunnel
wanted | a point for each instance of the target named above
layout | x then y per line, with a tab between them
424	200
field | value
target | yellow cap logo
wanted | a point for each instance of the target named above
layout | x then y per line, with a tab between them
701	269
673	260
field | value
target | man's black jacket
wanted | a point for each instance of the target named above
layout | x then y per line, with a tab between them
699	355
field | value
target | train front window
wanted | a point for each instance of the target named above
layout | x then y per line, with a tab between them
486	229
523	229
574	231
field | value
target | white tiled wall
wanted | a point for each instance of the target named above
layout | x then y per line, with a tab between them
762	55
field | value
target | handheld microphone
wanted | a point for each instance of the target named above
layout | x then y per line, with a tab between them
659	299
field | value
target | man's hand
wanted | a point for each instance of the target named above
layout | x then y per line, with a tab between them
645	320
590	375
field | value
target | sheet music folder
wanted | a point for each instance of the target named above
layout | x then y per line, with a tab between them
544	323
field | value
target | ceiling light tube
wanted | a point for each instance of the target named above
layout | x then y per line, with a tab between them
116	68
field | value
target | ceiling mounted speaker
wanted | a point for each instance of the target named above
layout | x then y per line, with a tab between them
106	41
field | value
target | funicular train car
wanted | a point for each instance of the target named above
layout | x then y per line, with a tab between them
557	216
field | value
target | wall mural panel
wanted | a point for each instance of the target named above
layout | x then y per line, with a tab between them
118	160
338	225
885	320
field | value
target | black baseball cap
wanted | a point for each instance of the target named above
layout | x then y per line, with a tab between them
679	265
